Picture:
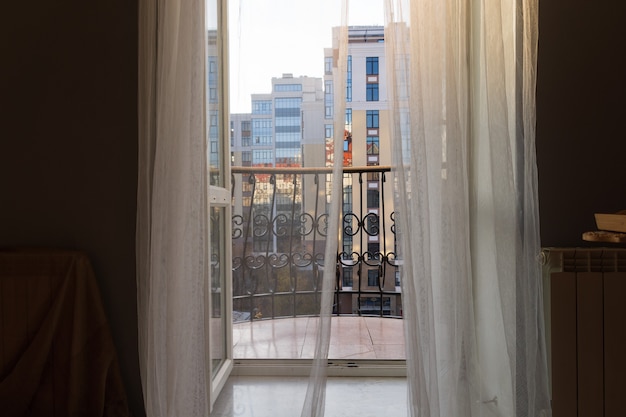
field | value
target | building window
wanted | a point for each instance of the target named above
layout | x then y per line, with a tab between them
371	92
347	195
347	208
212	81
373	199
328	99
372	147
372	119
373	176
246	131
287	87
347	276
262	140
288	125
328	65
262	131
349	120
349	80
372	305
262	107
372	277
261	124
328	131
289	103
263	158
246	156
288	157
371	65
374	251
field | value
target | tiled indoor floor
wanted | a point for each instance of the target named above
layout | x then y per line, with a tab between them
294	338
283	397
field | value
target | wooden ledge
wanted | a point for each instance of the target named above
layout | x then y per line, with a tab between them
603	236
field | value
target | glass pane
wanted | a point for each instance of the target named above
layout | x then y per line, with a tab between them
218	289
214	96
280	211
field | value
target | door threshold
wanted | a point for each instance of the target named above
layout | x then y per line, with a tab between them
336	367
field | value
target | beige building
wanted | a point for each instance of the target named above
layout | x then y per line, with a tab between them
368	196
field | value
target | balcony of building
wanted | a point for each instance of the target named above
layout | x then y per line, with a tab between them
279	231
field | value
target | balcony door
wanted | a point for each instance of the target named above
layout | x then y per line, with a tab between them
217	115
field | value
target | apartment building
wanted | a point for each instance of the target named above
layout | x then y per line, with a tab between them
372	282
292	126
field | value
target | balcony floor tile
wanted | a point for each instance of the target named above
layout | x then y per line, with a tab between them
294	338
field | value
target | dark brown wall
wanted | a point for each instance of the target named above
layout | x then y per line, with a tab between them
68	146
581	116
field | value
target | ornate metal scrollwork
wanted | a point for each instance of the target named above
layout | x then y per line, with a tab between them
279	246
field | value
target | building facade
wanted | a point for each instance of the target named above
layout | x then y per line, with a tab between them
284	130
293	127
370	276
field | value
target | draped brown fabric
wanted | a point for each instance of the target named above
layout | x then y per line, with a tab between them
57	356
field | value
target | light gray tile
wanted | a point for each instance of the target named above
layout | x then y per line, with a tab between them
245	396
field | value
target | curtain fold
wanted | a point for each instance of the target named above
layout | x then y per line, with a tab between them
316	391
462	77
172	248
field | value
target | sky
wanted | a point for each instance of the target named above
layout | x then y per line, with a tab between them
269	38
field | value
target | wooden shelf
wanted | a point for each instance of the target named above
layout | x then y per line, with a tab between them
604	236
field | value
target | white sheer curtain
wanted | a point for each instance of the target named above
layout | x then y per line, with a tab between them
172	215
462	74
316	391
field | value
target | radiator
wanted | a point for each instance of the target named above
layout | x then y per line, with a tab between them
586	330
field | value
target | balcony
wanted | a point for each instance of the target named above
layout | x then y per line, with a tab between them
279	232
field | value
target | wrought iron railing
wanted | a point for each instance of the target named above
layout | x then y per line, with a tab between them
280	219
